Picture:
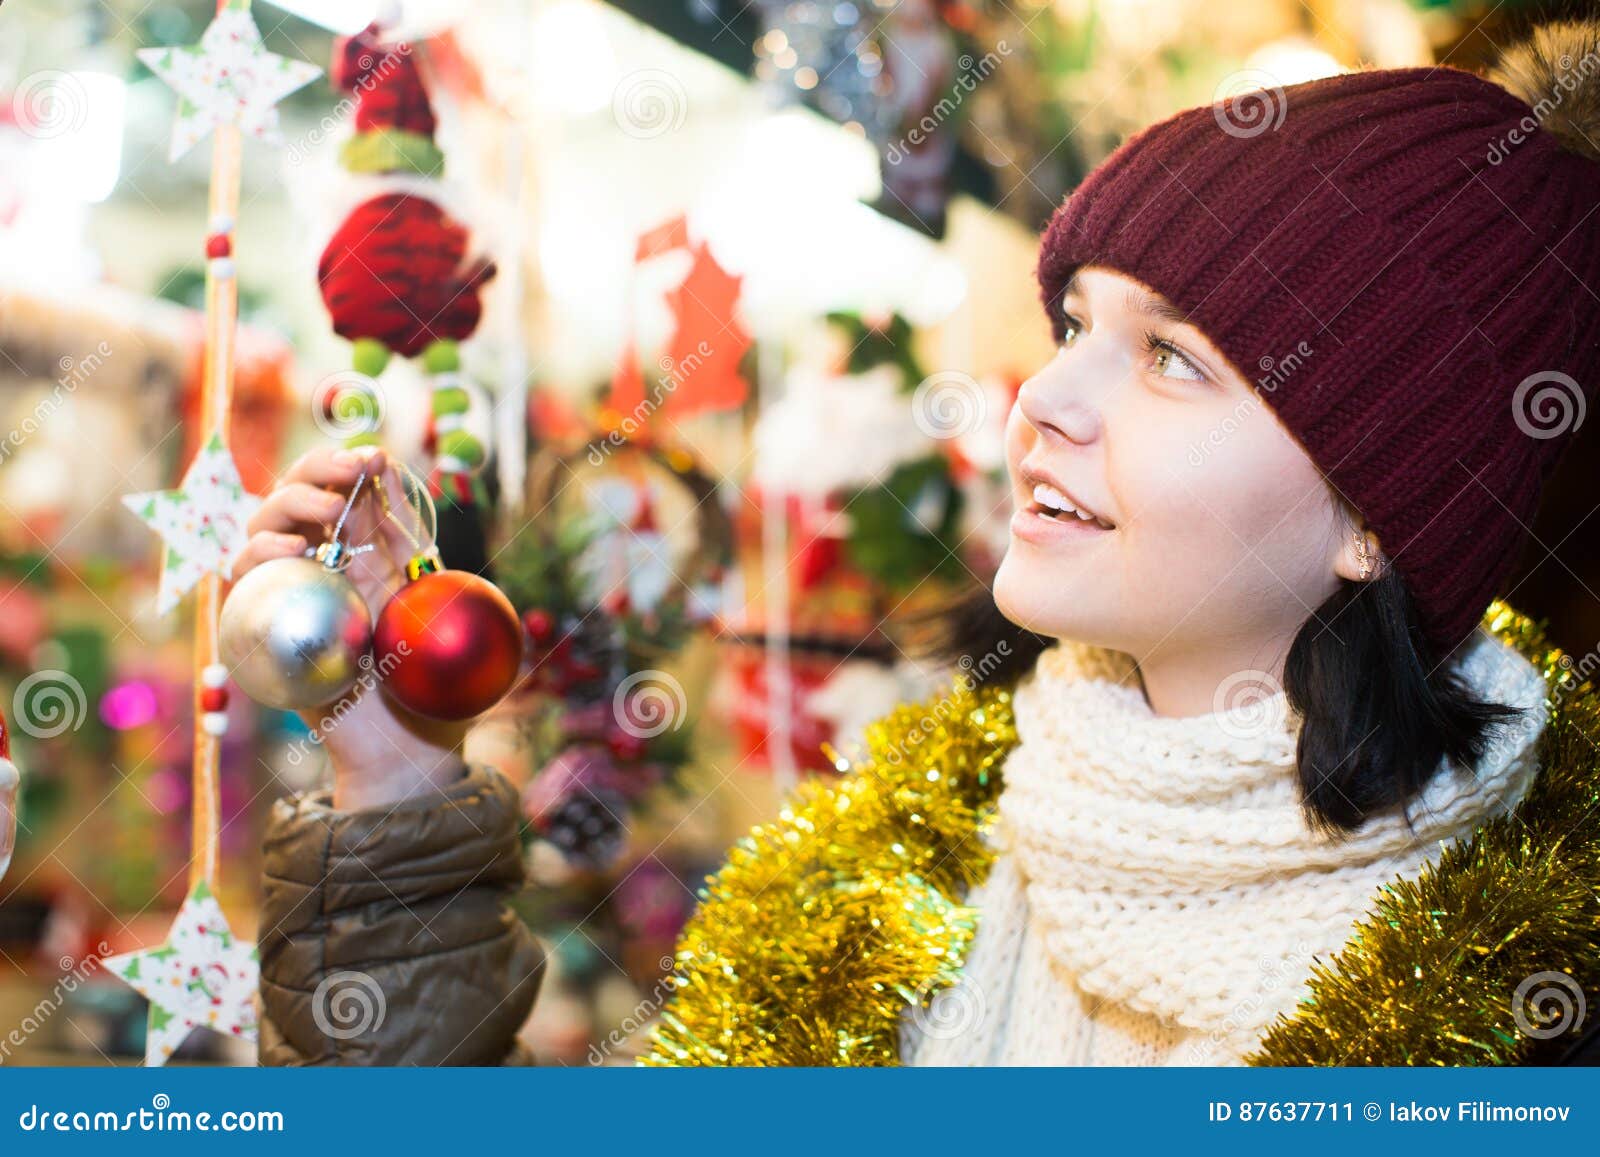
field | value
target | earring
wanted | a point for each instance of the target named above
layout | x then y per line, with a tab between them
1363	556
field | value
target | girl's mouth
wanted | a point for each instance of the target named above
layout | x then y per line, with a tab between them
1050	517
1049	502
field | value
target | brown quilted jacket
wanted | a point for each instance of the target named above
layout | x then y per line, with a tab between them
385	936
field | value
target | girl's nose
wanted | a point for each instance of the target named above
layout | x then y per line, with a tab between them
1054	408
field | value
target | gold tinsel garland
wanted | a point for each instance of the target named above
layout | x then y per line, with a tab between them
826	924
1436	973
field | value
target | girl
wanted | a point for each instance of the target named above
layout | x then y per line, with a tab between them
1239	768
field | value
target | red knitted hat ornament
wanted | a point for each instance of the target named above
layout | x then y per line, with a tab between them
400	275
399	269
1406	263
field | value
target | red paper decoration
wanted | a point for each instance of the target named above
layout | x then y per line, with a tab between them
700	367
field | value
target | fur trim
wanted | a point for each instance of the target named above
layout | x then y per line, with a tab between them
1556	72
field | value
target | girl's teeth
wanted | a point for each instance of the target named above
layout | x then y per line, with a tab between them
1051	499
1054	504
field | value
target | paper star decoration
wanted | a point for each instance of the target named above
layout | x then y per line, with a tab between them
202	977
202	522
228	78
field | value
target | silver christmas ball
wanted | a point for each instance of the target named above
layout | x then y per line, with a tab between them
294	633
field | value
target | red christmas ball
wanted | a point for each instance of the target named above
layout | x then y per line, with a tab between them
448	646
541	624
625	746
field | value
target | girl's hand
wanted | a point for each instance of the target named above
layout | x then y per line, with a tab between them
381	753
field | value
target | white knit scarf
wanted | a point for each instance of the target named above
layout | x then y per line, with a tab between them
1168	861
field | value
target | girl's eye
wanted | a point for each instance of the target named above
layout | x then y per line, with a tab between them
1071	330
1170	362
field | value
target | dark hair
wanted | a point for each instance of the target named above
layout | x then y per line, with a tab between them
1379	711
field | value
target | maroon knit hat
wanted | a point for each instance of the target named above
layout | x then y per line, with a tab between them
1407	264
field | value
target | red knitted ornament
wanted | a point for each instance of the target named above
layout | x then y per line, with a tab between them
354	59
397	101
398	271
386	82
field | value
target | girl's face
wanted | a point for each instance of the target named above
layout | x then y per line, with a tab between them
1210	524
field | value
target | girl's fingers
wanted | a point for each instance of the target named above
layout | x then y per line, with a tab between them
335	468
295	508
266	545
314	492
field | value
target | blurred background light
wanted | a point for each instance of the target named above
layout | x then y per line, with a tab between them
341	16
76	119
573	68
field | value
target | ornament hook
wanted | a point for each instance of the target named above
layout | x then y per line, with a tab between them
336	554
426	560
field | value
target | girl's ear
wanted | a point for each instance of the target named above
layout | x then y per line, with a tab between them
1348	562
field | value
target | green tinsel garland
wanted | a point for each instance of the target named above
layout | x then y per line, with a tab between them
826	924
